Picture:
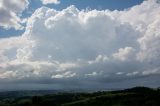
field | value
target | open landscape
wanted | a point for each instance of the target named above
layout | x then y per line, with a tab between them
79	52
137	96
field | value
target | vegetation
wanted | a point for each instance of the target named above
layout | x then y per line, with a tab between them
138	96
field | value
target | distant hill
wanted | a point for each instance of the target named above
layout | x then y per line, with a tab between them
16	94
137	96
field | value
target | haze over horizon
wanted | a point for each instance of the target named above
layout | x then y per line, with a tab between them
79	44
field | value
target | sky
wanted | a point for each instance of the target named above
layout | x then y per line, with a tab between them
80	4
79	44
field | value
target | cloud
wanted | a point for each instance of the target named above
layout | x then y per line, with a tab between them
72	47
10	11
98	59
45	2
7	74
67	74
124	54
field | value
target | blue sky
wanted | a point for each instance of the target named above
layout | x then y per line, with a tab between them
93	4
80	4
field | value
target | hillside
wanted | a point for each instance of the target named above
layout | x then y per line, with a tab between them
138	96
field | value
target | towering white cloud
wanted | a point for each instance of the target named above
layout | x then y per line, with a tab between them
10	11
79	47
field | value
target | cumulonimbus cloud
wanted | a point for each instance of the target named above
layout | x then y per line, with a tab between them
86	47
